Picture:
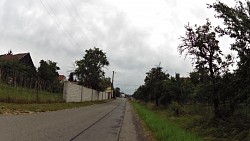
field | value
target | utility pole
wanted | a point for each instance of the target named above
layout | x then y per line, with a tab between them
112	85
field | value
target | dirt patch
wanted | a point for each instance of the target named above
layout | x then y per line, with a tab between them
144	134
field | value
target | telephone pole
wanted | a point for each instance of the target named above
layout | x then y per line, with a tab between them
112	85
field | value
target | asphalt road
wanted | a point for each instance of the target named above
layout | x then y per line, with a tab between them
111	121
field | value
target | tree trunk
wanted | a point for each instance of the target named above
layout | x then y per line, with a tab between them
215	96
157	101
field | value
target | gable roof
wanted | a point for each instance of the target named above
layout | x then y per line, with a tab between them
12	57
61	77
23	58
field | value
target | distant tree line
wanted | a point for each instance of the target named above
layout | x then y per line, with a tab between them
211	81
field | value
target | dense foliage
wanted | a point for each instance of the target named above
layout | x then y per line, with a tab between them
89	70
15	73
18	74
236	20
162	89
48	76
211	82
117	92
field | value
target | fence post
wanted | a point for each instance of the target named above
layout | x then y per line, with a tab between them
64	91
98	95
37	91
92	95
81	92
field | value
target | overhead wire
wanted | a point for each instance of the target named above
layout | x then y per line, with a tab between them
56	19
77	22
128	85
80	19
130	89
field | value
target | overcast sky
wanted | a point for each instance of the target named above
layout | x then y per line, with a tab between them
136	35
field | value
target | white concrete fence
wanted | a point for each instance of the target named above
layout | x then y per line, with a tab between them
77	93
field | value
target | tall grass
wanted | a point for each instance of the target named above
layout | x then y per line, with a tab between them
161	128
25	95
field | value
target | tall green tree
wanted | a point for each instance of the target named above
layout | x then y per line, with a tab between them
71	77
89	70
47	71
117	92
154	82
48	75
105	83
141	93
236	21
201	44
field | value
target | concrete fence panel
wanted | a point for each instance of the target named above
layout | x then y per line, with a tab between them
77	93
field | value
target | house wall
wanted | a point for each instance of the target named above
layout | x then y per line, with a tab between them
77	93
26	60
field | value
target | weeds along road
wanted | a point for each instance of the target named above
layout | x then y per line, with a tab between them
111	121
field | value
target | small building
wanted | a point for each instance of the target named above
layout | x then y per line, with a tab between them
61	78
110	92
123	95
23	58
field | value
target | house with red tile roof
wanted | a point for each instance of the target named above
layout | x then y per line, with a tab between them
61	78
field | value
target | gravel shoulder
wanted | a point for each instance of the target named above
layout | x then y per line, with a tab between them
132	129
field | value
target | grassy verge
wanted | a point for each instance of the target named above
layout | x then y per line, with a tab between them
162	129
25	95
13	108
198	120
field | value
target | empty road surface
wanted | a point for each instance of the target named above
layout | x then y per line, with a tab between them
113	121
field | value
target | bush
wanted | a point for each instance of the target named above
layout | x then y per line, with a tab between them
176	108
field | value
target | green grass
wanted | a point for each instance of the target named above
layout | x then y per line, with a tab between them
16	100
14	108
162	129
198	119
23	95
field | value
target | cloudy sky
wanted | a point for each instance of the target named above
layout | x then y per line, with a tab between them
136	35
